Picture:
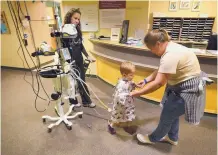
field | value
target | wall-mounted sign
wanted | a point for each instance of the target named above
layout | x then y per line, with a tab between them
112	13
112	4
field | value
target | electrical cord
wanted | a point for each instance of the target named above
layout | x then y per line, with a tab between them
32	85
17	28
82	82
76	75
19	38
37	68
18	34
37	75
14	18
25	46
19	55
42	20
104	106
122	94
18	9
30	27
114	87
25	67
61	88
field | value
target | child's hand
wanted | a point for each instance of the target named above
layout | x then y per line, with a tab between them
132	94
109	109
140	84
133	85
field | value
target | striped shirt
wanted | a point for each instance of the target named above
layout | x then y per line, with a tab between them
193	96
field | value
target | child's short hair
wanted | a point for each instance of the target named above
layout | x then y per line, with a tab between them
127	67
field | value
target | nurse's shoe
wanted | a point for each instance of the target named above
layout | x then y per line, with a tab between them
91	105
167	139
78	105
144	139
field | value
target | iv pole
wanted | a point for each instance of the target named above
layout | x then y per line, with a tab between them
62	83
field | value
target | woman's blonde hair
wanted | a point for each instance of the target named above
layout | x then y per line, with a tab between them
127	67
156	35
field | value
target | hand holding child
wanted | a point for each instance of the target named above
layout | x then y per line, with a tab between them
140	84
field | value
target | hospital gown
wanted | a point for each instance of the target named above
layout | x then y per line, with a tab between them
123	107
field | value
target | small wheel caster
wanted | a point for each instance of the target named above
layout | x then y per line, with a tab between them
49	130
43	120
69	127
73	109
80	116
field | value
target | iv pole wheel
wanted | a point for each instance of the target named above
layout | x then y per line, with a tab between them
80	116
69	127
43	120
49	130
73	109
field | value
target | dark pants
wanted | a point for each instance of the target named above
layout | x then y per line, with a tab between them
83	90
76	55
173	108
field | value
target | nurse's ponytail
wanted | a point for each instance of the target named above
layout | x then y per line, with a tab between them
153	36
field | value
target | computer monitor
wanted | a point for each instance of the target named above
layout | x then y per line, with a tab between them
124	32
212	42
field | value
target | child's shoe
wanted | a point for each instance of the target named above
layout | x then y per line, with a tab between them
111	129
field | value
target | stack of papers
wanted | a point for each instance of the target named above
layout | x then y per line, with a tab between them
196	50
215	52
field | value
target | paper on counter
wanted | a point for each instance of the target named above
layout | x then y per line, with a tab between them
139	34
215	52
115	34
196	50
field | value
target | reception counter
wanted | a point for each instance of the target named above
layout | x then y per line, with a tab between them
110	54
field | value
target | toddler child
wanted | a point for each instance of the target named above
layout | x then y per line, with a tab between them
123	110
